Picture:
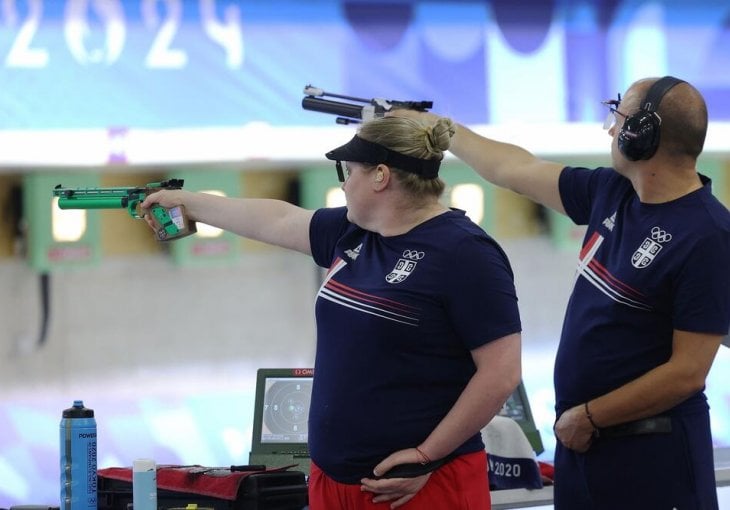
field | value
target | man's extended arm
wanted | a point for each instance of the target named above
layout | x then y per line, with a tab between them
502	164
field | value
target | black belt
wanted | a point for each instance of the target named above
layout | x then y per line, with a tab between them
415	469
655	425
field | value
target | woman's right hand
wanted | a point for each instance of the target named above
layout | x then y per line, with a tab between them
165	198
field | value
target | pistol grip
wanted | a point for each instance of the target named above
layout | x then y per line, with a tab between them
173	223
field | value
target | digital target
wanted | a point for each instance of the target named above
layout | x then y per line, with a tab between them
286	410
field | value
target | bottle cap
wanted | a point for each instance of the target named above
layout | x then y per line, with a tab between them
78	411
143	465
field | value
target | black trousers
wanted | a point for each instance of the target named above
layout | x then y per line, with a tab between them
673	470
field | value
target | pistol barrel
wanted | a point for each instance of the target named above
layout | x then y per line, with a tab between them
93	198
325	106
92	203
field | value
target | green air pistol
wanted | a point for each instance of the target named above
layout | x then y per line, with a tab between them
172	223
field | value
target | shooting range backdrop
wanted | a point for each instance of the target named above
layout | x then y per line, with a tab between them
82	81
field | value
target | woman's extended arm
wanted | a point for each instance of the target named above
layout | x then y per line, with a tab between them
267	220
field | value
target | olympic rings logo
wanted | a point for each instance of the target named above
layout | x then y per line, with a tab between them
413	255
660	236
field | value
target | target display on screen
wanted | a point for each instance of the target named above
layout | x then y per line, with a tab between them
286	410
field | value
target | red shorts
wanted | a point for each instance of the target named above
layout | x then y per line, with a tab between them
459	484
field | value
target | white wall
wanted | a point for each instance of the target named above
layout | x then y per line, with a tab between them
131	314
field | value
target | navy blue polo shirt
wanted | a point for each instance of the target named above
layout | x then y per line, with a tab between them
644	270
396	320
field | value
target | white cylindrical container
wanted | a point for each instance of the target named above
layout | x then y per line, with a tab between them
144	484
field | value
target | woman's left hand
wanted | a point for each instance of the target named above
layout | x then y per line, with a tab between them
397	490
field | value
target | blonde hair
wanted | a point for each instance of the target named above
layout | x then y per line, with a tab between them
413	138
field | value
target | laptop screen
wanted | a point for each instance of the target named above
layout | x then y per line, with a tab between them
281	411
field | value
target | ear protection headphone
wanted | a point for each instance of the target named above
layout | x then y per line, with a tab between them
639	135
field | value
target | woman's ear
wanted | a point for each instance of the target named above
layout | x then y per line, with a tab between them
381	176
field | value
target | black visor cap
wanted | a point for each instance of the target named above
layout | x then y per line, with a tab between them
360	150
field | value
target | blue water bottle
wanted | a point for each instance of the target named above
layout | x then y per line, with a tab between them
78	458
